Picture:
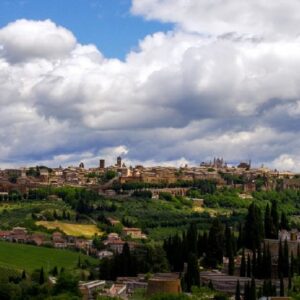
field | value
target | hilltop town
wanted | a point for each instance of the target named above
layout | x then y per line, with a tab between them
107	180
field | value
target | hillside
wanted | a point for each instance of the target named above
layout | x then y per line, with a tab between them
29	258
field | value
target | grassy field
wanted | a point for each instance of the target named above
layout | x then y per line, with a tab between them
26	257
72	229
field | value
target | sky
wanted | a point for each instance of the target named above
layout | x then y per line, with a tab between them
159	82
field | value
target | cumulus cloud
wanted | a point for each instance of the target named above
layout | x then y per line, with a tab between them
182	97
25	39
255	18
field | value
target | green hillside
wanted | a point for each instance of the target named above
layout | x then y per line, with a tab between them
26	257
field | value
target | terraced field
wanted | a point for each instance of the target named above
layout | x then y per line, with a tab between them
72	229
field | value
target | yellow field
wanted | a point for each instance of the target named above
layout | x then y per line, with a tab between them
72	229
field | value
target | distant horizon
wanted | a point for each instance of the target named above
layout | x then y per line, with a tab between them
146	164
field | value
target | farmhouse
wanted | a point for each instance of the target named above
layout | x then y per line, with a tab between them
135	233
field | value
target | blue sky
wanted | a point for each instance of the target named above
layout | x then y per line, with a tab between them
105	23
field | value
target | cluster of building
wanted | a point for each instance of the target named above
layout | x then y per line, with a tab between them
28	178
57	239
124	287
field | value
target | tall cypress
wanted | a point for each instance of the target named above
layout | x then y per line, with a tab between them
293	265
253	289
192	276
240	241
215	245
268	263
42	276
280	259
284	223
254	265
286	261
248	266
281	287
268	222
231	265
243	265
275	219
246	291
238	291
228	241
253	231
191	236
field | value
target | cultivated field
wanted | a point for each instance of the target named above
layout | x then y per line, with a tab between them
25	257
72	229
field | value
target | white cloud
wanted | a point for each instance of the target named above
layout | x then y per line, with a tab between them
255	18
181	97
25	39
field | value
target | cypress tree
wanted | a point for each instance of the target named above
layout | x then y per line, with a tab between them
254	265
42	276
253	289
264	289
253	231
200	245
275	219
240	241
284	223
215	245
243	265
293	265
192	276
23	275
231	265
228	241
281	287
268	263
259	264
290	283
246	291
191	237
238	291
286	261
210	285
268	222
298	259
280	259
79	262
248	266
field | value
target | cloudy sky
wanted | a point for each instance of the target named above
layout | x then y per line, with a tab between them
156	81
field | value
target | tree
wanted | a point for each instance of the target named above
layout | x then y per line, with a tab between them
281	287
284	223
192	276
253	230
268	222
215	245
253	290
248	266
23	275
275	219
280	260
286	261
192	236
238	291
42	276
243	265
231	265
66	283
